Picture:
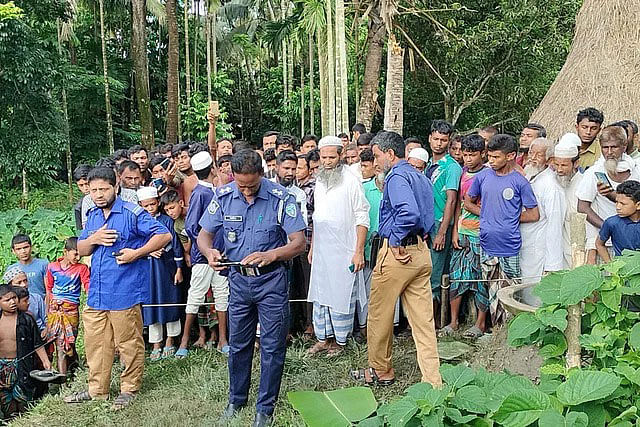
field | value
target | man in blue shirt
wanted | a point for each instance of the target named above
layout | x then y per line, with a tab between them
403	266
34	268
262	227
118	236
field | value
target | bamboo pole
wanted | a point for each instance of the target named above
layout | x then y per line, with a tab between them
572	333
444	300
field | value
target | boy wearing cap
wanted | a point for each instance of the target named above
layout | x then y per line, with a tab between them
203	277
166	274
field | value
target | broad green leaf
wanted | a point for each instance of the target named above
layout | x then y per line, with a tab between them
399	413
634	336
554	345
338	407
471	398
551	417
457	417
579	284
457	376
628	372
549	288
585	386
428	397
521	408
432	420
522	327
451	350
628	415
577	419
548	386
631	263
556	319
595	412
376	421
612	299
614	266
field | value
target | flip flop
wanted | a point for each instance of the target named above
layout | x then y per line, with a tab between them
225	350
168	352
473	333
182	353
156	355
359	375
446	332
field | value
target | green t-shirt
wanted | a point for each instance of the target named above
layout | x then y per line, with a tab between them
444	175
374	197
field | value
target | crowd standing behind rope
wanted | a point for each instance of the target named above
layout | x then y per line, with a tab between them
356	232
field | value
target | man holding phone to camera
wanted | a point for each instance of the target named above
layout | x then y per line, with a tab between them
119	236
596	193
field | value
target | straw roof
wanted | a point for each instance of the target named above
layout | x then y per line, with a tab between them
602	69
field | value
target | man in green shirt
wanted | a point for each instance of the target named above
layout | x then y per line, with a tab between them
444	173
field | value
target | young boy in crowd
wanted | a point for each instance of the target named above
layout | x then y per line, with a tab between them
66	277
507	201
166	274
623	228
19	336
465	239
80	174
224	170
34	268
35	304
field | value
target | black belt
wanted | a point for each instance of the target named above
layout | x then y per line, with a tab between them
409	240
251	271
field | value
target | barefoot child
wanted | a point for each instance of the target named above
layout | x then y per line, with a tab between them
64	281
35	303
19	336
166	274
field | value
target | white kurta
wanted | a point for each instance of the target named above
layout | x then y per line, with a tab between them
572	208
541	245
337	213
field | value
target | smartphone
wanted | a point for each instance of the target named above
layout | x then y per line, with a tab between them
165	163
214	107
116	254
158	183
603	179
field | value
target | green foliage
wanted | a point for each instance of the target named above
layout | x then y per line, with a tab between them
10	11
194	119
335	408
610	333
47	228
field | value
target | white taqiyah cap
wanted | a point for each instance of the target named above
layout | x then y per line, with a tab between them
201	160
420	154
145	193
570	138
330	141
565	151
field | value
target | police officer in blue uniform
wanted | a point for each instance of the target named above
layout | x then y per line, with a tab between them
262	229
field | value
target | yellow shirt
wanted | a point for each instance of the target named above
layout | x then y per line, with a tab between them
589	156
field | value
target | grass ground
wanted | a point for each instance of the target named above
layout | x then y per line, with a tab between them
193	392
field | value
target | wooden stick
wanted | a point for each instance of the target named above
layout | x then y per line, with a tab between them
444	300
572	333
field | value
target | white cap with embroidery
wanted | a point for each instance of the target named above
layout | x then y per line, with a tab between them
201	160
420	154
145	193
330	141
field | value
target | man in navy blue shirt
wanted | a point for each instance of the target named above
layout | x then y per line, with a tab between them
262	227
403	265
118	236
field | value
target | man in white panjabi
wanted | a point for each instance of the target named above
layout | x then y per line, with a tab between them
340	223
540	250
566	161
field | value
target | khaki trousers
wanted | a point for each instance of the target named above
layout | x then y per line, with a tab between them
411	282
105	330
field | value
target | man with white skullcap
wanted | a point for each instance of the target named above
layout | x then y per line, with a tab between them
418	158
566	156
340	223
203	277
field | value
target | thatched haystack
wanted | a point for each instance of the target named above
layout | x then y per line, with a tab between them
602	69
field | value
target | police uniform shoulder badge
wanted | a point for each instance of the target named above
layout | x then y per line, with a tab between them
291	210
225	190
277	192
213	207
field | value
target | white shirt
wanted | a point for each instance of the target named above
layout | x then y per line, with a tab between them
337	213
572	208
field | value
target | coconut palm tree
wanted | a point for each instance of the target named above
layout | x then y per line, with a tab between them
393	102
376	36
141	70
172	72
341	71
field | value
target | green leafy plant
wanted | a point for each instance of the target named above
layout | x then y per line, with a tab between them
334	408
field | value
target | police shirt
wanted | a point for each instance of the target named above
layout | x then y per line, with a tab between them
407	204
257	227
200	198
116	286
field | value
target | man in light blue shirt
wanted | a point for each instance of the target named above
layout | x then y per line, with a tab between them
34	268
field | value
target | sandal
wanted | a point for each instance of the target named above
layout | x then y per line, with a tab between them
224	350
168	352
122	401
182	353
156	355
473	333
360	376
317	348
446	332
78	397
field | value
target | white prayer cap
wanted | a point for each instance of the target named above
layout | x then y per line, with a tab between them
201	160
570	139
145	193
420	154
565	151
330	141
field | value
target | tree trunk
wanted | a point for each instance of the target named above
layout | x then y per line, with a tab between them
301	98
341	46
172	72
373	59
290	54
393	103
66	120
196	31
214	41
311	88
331	75
25	191
141	70
573	331
285	75
107	97
324	90
187	60
207	28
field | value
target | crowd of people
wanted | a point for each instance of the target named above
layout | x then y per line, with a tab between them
362	228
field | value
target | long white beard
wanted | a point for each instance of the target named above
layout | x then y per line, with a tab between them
531	170
611	166
330	177
564	181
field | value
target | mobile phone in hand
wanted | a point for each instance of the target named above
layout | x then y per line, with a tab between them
603	179
165	163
